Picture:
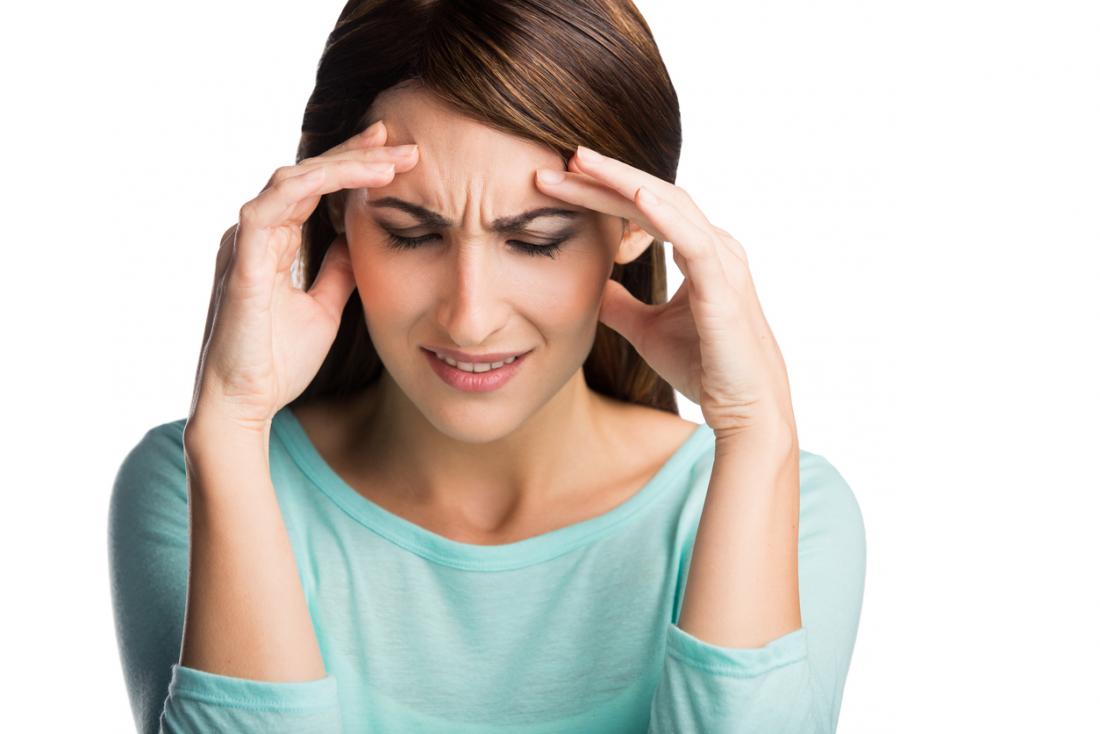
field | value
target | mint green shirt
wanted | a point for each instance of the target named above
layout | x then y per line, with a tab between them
573	630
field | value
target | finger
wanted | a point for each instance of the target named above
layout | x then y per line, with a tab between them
335	280
579	188
270	208
221	266
374	134
271	221
627	179
214	288
345	174
696	247
732	245
381	154
624	313
583	190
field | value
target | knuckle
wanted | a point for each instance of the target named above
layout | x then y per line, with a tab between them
730	242
239	281
282	173
247	213
680	195
281	187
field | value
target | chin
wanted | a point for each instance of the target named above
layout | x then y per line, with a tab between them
477	419
487	430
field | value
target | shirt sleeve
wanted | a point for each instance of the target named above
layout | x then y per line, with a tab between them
148	548
794	683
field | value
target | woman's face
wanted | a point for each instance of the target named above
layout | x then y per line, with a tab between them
467	286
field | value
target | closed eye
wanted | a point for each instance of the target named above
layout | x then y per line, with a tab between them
550	249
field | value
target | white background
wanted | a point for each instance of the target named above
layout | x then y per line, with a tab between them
917	186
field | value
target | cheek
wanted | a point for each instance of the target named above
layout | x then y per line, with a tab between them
562	299
383	285
571	290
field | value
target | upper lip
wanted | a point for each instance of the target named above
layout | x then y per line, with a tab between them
466	357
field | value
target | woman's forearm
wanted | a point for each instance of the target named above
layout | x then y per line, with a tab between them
246	613
742	587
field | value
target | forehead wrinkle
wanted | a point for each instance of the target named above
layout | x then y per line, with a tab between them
467	196
506	223
475	164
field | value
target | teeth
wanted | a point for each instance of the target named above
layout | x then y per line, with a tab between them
475	366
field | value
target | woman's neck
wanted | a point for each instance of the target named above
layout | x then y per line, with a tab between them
485	485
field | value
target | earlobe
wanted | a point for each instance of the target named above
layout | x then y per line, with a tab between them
635	241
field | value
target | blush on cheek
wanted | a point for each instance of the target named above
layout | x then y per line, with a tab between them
384	292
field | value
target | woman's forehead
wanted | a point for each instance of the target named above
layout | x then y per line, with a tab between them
416	116
468	173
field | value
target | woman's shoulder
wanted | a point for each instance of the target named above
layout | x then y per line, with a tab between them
156	457
149	493
826	498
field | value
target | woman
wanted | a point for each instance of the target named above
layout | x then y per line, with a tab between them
480	507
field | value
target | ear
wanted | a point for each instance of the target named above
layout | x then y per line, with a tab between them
634	242
334	203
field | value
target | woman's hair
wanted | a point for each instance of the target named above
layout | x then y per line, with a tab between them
558	72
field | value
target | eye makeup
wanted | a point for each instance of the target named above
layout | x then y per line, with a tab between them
549	249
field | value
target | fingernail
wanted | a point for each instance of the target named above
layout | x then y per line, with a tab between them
647	197
405	149
372	128
550	176
588	155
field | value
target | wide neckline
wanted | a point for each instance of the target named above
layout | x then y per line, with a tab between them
470	556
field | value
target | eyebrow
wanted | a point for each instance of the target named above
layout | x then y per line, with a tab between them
500	224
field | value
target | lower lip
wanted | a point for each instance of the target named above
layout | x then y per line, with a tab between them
474	381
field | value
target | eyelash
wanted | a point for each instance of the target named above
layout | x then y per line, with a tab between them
411	243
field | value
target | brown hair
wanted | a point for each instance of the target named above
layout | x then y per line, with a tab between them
558	72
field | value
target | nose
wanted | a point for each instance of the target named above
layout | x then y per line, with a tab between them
472	300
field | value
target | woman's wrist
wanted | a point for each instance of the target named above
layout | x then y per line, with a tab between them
211	432
778	437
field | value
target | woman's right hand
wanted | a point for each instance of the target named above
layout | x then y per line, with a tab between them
265	338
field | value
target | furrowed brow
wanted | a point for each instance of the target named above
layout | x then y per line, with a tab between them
500	224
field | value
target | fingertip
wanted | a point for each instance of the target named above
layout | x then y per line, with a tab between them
376	132
549	176
647	197
406	163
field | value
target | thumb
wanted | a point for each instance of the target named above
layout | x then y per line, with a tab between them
624	313
335	280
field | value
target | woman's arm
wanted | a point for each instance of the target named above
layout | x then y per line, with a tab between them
742	588
246	612
148	539
790	684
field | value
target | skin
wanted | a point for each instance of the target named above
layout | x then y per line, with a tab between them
712	343
264	340
542	451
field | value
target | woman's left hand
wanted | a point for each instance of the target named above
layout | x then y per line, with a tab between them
710	341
